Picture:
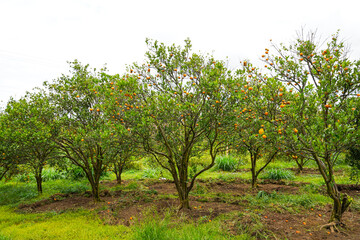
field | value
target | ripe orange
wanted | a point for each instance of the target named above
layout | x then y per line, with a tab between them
264	136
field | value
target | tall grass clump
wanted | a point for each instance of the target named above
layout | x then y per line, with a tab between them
278	174
152	229
226	163
50	174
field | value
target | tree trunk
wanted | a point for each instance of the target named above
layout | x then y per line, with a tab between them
340	204
253	170
38	178
182	189
300	168
300	164
118	172
3	173
184	198
94	180
184	204
95	191
253	179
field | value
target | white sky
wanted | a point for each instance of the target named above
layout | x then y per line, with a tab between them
37	37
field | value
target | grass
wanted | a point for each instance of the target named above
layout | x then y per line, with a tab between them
13	193
278	174
157	228
70	225
227	163
86	224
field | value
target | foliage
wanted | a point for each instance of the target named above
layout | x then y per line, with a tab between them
318	105
50	174
87	138
353	159
31	126
176	106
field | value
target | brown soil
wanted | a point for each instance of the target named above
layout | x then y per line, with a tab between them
129	206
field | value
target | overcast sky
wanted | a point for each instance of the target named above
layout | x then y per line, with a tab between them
37	37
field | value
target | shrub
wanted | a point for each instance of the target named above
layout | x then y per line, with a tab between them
278	174
226	163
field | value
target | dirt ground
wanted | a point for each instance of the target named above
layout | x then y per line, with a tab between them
126	207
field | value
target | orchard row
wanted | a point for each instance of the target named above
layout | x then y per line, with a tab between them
179	104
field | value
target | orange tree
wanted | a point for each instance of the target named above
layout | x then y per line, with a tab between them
126	149
86	136
31	125
258	126
322	114
9	160
177	105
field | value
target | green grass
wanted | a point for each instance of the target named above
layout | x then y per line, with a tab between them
18	192
70	225
227	163
157	228
86	224
278	174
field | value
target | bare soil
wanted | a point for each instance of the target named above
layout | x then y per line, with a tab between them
129	206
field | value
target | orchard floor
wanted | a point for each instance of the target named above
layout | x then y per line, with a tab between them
131	202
